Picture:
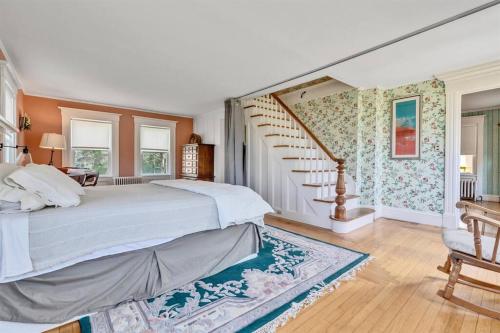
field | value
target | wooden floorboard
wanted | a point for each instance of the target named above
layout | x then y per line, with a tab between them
396	292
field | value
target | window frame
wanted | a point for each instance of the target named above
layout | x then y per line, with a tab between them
154	122
68	114
7	127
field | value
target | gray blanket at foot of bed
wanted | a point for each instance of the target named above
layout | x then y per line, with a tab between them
104	282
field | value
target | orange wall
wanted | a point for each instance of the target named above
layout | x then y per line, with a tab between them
20	112
46	117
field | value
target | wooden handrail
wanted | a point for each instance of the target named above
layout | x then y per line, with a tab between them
340	189
294	116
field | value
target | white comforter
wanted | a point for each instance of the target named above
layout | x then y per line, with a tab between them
14	244
119	206
235	204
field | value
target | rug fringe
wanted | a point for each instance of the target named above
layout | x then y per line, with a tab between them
295	308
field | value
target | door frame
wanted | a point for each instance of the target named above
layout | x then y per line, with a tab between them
458	83
479	163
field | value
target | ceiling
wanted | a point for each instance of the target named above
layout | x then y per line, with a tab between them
481	100
186	57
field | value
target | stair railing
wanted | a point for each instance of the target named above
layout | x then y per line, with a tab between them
293	131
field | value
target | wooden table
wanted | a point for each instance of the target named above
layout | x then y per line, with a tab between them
84	177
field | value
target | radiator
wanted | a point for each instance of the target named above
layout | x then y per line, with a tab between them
468	187
127	180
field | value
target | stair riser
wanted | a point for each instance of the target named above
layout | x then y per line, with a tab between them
315	177
346	227
315	165
281	131
317	192
296	152
276	140
349	204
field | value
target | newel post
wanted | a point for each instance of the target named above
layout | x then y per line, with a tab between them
340	190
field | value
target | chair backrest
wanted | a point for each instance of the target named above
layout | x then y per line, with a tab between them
481	221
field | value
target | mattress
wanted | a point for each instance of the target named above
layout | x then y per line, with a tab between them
102	283
109	216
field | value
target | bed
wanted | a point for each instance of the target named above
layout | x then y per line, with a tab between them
124	243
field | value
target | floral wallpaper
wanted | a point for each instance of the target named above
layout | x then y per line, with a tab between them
415	184
333	120
356	125
369	103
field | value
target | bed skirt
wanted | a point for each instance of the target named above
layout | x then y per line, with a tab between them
102	283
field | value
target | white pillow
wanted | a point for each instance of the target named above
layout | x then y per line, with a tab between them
25	201
50	186
6	169
11	194
59	177
31	202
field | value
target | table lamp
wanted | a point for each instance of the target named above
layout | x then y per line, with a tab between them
53	141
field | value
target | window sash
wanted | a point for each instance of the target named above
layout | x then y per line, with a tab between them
167	171
99	143
109	170
161	133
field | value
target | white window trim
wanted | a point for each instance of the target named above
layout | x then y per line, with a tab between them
70	113
7	78
138	122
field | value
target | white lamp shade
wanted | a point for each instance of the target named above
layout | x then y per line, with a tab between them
53	141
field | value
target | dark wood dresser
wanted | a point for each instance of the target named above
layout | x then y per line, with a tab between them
198	162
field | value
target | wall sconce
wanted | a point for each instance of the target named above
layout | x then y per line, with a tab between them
24	156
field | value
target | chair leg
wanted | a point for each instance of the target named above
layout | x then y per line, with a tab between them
452	280
447	266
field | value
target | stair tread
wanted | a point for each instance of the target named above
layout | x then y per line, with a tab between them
355	213
304	158
318	184
332	199
284	136
298	170
280	126
294	147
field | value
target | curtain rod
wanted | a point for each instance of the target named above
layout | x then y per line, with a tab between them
382	45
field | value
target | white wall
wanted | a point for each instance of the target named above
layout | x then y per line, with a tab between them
210	126
317	91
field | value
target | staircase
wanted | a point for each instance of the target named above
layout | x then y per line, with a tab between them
291	169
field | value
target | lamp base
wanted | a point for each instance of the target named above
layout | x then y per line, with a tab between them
51	162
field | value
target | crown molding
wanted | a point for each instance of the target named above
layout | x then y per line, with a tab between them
28	93
492	67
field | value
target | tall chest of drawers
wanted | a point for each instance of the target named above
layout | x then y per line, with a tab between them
198	162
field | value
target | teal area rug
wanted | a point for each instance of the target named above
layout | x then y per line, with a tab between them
290	272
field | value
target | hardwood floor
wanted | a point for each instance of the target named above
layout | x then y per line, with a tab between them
396	292
489	205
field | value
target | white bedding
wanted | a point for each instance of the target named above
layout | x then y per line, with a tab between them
14	245
235	204
117	219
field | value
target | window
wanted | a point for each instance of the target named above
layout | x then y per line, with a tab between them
154	150
154	142
8	110
91	145
92	140
467	164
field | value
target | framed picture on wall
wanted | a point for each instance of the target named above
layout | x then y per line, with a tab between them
405	133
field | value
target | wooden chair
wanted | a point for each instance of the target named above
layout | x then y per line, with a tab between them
477	246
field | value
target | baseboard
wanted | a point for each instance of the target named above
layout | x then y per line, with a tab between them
491	197
410	215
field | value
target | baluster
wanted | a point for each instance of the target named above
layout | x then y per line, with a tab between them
322	174
281	130
330	167
310	161
297	128
340	213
